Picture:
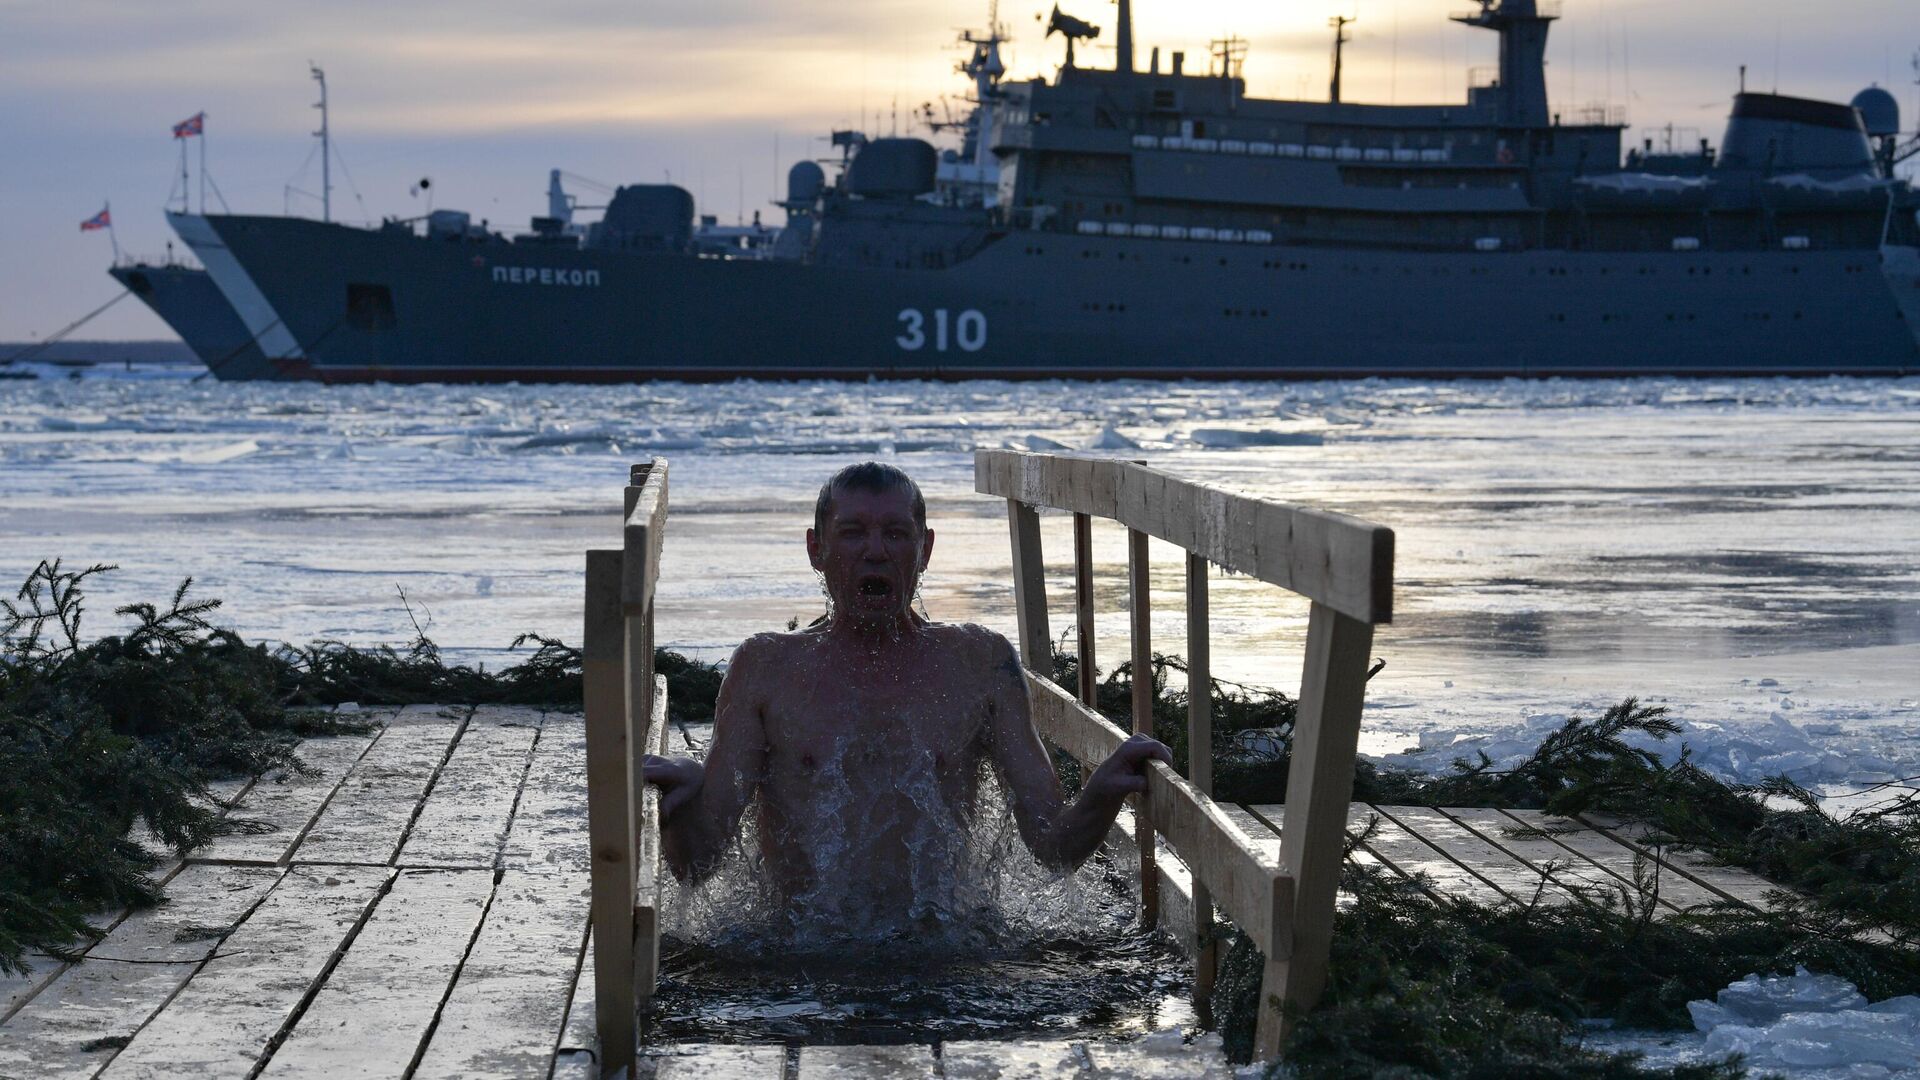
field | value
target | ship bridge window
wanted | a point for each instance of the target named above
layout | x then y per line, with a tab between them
370	307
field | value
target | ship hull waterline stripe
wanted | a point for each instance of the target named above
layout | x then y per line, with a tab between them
792	374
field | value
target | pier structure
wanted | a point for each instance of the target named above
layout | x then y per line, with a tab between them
474	892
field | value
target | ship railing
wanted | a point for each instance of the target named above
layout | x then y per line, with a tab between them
1344	566
170	260
626	717
1401	154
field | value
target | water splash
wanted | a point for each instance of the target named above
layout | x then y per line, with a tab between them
976	939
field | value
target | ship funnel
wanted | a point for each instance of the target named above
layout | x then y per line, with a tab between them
559	207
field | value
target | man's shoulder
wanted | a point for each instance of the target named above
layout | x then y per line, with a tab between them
769	649
976	642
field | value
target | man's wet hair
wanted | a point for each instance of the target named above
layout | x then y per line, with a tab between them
873	476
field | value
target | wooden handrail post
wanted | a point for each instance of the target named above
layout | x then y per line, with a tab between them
646	905
1030	588
610	813
1342	564
638	670
1326	736
1200	763
1140	616
1083	607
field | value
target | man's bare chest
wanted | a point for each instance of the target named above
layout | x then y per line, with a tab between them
869	737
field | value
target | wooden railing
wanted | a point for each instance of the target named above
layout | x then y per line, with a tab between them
626	712
1341	564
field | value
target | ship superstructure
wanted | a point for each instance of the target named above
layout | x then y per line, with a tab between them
1161	221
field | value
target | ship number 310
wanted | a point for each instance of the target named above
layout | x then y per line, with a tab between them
969	330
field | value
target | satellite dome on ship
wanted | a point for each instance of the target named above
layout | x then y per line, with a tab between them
805	181
893	168
1878	111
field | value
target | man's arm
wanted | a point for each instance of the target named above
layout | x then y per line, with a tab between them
700	805
1060	835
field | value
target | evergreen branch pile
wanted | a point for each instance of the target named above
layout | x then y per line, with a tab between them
101	738
98	737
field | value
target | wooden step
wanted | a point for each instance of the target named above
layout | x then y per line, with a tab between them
1729	882
1515	880
549	830
508	1005
715	1062
367	820
373	1013
80	1019
464	819
1676	891
1053	1060
1577	873
284	803
1149	1059
910	1062
248	994
1440	876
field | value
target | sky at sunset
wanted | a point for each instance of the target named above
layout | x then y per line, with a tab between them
720	95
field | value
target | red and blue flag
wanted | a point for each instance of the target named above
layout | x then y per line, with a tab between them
101	220
192	125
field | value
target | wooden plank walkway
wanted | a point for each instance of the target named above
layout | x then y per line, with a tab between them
1524	857
417	906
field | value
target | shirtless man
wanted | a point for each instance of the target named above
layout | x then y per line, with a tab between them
863	735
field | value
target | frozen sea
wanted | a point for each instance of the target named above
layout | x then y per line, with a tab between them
1744	551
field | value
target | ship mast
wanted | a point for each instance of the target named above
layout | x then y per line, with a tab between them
1340	38
986	68
1523	49
326	146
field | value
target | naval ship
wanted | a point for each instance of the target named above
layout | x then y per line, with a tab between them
185	297
1159	221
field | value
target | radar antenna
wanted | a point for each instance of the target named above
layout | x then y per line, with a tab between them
1070	28
1229	55
984	66
1340	38
1911	148
986	69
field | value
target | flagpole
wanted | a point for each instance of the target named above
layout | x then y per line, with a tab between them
203	163
112	237
186	191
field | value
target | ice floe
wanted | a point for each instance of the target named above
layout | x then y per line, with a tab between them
1803	1026
1235	438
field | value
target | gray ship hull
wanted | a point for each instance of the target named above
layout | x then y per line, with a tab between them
360	305
189	302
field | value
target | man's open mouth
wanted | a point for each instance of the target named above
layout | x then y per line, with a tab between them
876	586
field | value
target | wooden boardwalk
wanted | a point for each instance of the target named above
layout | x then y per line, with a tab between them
1525	857
418	906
